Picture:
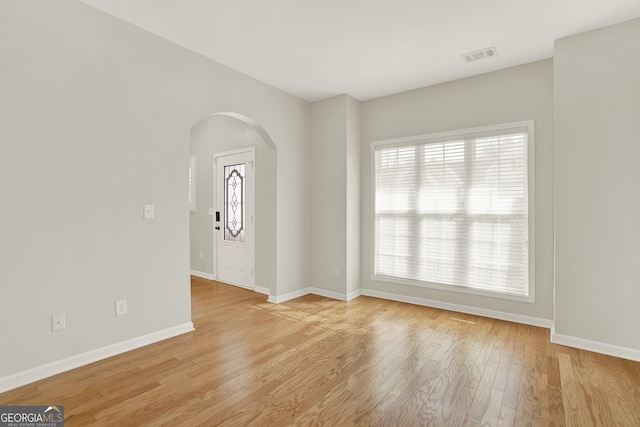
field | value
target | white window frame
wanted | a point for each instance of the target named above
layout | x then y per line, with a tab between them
529	125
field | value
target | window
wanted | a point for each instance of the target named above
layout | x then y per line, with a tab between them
452	210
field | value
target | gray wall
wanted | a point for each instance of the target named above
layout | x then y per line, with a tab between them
335	195
353	185
328	194
597	113
514	94
95	116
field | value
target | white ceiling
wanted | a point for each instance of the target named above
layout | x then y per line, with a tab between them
314	49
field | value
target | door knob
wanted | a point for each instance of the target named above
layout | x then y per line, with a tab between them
218	227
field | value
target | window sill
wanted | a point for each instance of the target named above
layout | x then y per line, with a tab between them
454	288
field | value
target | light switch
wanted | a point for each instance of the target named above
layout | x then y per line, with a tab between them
148	211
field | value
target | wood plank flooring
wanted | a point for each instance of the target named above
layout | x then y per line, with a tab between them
370	362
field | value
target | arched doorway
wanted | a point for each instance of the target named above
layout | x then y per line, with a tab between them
224	132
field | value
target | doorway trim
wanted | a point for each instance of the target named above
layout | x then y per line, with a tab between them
252	123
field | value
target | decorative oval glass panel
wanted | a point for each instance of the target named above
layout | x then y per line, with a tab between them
234	200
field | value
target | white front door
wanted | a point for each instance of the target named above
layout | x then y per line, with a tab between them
234	229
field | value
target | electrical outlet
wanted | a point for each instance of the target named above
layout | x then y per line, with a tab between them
335	271
121	307
58	322
201	255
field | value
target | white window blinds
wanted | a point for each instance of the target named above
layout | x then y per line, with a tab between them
454	210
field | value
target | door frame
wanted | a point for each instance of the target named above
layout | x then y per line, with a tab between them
247	150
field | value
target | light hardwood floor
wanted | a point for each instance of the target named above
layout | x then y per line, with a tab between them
316	361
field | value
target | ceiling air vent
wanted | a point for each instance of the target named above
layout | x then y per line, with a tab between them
480	54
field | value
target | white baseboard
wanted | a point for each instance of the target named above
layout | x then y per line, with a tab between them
335	295
47	370
314	291
328	294
261	290
291	295
353	295
595	346
517	318
202	274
